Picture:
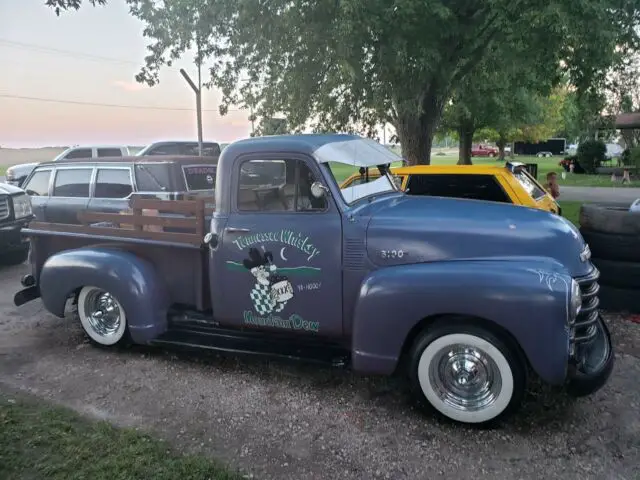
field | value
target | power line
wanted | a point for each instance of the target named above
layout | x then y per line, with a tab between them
112	105
69	53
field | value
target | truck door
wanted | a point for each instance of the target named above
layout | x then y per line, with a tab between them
280	258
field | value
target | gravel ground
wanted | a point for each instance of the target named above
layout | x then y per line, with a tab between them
278	421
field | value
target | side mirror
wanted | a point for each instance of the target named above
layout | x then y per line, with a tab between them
318	190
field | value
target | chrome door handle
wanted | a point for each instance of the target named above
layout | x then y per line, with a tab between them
236	230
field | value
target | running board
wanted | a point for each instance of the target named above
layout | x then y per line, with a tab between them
254	343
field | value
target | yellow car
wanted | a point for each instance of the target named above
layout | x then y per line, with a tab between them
511	183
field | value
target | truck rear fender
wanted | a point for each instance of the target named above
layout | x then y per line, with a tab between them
524	300
130	278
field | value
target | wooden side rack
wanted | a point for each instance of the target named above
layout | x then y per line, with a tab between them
179	221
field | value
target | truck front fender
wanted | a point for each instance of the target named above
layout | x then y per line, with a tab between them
527	299
130	278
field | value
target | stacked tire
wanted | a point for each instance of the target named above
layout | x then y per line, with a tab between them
613	234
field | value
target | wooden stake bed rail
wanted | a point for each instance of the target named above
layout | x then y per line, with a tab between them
144	221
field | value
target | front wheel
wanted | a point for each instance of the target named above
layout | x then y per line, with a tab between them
102	317
467	373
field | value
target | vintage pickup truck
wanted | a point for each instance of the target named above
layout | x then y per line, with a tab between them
466	297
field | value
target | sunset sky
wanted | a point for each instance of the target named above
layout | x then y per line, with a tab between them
55	58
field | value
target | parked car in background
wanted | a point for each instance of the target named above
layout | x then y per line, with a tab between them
511	183
613	151
484	151
61	189
15	213
209	149
17	174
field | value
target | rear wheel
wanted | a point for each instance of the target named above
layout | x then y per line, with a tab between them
467	374
102	317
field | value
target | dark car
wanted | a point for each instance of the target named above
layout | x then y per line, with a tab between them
61	189
209	149
15	213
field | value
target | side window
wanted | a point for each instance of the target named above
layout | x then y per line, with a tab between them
109	152
80	153
38	184
277	185
112	183
153	177
164	150
478	187
72	182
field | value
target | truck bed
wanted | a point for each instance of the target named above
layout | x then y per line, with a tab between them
165	232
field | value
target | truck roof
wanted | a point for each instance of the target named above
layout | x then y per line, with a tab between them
340	148
181	159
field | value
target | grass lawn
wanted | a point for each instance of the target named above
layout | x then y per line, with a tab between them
571	211
545	165
3	170
38	441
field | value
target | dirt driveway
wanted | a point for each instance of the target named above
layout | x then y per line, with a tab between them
278	421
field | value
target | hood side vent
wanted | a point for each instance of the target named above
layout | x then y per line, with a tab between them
354	252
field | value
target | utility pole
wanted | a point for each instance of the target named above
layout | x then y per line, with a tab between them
253	121
198	91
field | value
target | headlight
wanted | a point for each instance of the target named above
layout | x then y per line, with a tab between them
575	301
22	206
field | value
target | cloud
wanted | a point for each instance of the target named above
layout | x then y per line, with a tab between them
128	86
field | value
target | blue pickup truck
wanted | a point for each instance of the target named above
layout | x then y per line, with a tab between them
465	297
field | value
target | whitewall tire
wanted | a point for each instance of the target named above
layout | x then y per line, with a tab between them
467	374
102	316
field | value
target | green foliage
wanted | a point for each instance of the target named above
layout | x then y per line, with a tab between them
353	64
632	158
272	126
591	154
60	5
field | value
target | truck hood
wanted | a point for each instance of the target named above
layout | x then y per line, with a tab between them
21	169
6	189
407	229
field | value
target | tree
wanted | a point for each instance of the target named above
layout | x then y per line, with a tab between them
355	64
272	126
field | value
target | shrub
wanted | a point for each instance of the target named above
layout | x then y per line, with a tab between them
591	154
633	157
568	160
625	158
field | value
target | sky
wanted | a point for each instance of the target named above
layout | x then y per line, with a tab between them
91	56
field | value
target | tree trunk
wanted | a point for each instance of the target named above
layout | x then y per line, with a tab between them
416	130
502	142
415	133
465	132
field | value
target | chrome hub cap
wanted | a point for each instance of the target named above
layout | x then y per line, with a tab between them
103	313
465	378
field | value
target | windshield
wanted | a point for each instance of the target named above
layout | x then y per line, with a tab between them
532	187
370	182
343	154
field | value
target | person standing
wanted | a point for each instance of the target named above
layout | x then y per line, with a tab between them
552	185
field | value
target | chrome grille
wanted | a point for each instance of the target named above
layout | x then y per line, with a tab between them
4	207
584	329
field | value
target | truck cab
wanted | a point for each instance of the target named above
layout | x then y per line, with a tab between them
463	296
